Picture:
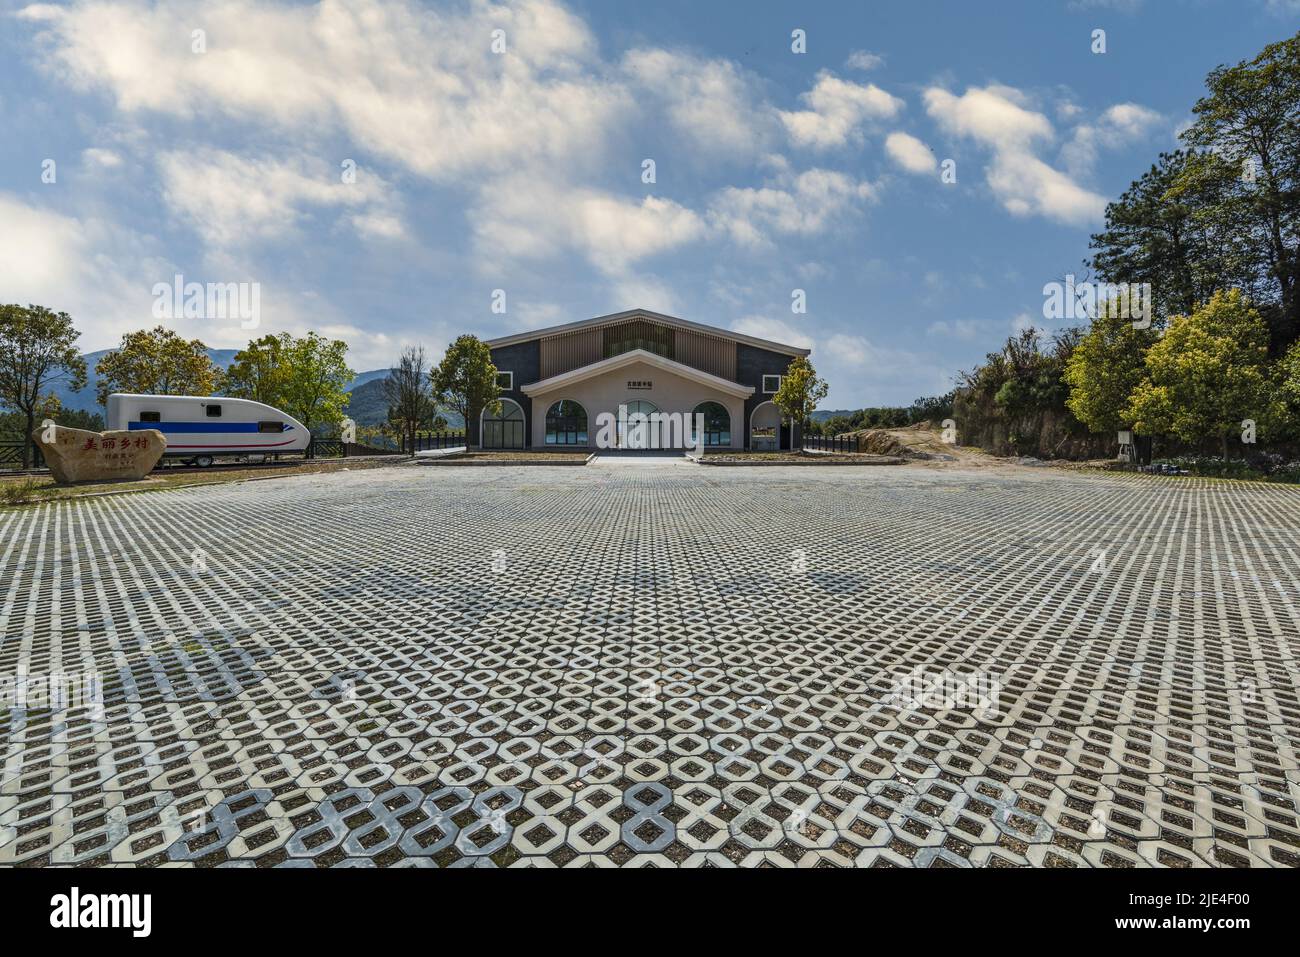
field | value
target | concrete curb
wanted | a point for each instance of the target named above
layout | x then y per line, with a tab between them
803	463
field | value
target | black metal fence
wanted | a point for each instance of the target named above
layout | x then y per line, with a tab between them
319	448
11	455
833	443
424	441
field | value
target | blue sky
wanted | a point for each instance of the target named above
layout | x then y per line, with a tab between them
522	171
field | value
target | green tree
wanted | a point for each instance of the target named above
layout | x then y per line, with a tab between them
1105	367
313	379
1248	128
37	349
257	372
157	362
466	380
1288	380
1207	375
1153	235
801	390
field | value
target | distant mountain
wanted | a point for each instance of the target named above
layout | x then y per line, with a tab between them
369	407
821	415
364	377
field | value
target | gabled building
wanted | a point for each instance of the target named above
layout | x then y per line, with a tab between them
556	381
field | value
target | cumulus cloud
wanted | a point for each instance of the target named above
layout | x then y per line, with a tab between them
417	85
1119	126
910	153
709	102
802	204
837	110
231	199
1000	118
103	275
528	218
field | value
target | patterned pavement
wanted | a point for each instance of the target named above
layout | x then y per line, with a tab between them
440	666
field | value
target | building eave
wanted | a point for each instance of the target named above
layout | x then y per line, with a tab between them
654	317
630	358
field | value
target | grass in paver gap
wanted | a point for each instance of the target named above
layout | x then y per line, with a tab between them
462	672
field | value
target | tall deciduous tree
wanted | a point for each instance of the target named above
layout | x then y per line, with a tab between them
1208	374
37	349
313	379
409	397
157	362
801	391
257	372
466	380
1249	129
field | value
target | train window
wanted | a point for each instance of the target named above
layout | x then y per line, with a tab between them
214	411
276	427
150	417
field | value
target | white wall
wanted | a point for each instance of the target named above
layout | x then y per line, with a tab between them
604	393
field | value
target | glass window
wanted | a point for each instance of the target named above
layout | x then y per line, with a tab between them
150	417
214	411
566	423
506	381
270	427
771	384
717	423
503	431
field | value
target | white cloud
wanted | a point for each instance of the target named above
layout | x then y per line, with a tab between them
805	204
837	110
999	117
97	157
775	330
527	218
231	200
862	60
1121	125
417	85
910	153
709	102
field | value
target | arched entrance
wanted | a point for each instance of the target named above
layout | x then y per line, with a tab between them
717	424
765	428
636	406
566	423
504	431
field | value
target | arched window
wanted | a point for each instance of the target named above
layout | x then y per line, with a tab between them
717	423
566	423
765	427
504	431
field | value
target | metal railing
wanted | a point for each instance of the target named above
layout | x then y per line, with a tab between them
11	455
833	443
424	441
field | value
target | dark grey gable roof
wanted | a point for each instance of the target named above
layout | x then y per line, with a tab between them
654	317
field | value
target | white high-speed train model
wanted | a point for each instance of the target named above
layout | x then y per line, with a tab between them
204	426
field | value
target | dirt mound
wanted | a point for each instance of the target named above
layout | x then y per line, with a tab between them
919	441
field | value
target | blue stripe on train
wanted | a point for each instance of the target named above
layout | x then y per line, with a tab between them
191	428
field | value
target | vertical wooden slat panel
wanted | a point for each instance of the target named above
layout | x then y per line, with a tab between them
572	350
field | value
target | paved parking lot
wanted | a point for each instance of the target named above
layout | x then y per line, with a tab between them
424	666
